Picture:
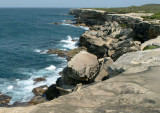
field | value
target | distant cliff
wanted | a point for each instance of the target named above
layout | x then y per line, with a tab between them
117	33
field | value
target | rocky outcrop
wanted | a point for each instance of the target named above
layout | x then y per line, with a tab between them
135	62
66	54
82	68
143	30
113	35
109	40
88	16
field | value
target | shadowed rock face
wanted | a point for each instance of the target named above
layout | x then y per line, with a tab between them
127	93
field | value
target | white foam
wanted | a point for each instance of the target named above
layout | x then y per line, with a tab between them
41	51
37	50
23	88
68	43
10	87
51	67
82	27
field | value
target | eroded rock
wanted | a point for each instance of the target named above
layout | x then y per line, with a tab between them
82	68
103	73
135	62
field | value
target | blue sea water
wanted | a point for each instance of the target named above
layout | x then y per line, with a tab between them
23	34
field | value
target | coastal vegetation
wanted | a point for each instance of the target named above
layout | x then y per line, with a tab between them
148	8
151	47
154	16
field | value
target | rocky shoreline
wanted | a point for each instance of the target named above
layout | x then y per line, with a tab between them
116	44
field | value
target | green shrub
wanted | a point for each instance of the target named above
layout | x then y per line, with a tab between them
123	26
154	16
151	47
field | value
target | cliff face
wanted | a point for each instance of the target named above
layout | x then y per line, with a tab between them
114	34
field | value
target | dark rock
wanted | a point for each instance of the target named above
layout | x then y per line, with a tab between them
39	80
60	73
52	92
59	82
56	23
4	100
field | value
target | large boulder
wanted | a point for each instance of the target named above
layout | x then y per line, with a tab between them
82	68
134	62
52	92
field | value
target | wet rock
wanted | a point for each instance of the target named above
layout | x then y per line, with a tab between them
60	73
37	80
67	54
83	71
56	23
39	91
4	100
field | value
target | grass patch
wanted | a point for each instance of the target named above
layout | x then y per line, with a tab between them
123	26
149	8
154	16
151	47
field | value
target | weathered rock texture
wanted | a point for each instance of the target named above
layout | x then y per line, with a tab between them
114	34
135	62
82	68
127	93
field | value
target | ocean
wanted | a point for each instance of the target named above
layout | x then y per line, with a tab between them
24	33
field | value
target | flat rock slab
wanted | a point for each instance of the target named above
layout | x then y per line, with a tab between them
135	62
125	93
